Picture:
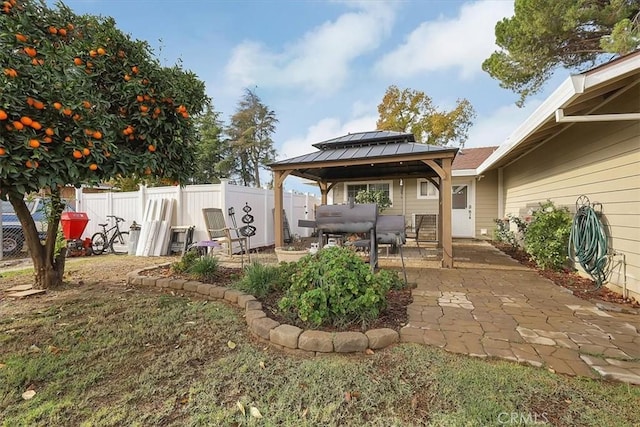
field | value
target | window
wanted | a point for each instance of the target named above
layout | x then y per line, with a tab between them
426	190
353	189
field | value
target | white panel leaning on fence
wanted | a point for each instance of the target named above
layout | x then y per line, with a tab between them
186	210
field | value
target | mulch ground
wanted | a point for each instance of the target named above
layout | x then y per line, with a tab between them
581	287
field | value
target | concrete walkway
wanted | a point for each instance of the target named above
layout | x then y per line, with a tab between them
492	306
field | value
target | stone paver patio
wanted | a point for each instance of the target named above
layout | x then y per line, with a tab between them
492	306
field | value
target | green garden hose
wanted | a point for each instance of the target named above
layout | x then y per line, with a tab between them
588	241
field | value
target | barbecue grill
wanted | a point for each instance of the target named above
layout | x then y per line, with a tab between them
348	219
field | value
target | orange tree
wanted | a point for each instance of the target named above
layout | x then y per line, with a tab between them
81	103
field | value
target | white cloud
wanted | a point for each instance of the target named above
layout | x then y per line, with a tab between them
494	128
462	42
319	61
324	129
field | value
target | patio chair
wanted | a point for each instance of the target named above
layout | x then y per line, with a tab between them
219	231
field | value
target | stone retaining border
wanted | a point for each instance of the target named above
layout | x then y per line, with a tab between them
281	336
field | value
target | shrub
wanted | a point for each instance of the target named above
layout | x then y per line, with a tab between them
259	279
204	269
335	286
187	260
547	236
503	232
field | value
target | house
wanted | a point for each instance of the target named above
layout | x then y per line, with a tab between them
474	197
583	140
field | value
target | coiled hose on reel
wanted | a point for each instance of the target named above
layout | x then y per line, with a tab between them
588	241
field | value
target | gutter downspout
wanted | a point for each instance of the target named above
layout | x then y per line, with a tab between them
500	193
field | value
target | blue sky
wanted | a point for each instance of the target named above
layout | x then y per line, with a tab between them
323	66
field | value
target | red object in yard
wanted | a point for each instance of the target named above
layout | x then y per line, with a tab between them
73	224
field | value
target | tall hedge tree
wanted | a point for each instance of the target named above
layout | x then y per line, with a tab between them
81	102
410	110
543	35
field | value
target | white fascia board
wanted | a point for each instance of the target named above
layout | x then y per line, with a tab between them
464	172
562	97
566	92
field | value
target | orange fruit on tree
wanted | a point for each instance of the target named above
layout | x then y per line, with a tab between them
21	38
53	30
3	151
57	105
67	139
62	32
17	125
77	117
3	115
48	139
93	53
38	105
77	154
93	167
67	112
97	134
86	104
101	51
36	125
34	143
86	151
127	77
30	51
25	120
152	148
49	132
144	108
10	72
70	27
77	61
30	101
29	164
139	98
135	69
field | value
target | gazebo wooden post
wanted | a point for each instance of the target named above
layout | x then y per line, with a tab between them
278	204
445	209
324	191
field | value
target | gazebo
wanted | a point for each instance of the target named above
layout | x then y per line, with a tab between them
372	156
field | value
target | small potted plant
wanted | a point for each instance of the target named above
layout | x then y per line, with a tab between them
292	252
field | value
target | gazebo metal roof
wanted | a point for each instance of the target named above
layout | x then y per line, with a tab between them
374	155
366	155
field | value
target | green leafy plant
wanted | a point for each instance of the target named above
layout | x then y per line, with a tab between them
187	260
547	236
503	232
205	269
378	197
335	286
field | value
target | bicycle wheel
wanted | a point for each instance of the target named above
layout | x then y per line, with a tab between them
98	243
120	243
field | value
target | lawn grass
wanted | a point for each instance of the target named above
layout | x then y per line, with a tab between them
113	355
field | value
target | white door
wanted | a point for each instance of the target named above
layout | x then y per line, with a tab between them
461	211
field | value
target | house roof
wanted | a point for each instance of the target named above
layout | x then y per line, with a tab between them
471	158
392	153
578	95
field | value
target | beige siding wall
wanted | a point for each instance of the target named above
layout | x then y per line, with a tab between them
599	160
486	204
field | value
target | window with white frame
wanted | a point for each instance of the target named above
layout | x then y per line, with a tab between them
426	189
351	189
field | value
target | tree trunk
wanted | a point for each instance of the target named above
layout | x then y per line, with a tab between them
48	267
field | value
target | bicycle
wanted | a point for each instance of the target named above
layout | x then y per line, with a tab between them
118	243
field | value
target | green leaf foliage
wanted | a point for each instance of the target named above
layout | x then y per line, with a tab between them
336	287
547	236
546	34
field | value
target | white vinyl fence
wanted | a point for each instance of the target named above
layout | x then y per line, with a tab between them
189	202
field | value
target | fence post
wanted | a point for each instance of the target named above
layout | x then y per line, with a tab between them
142	202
